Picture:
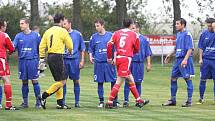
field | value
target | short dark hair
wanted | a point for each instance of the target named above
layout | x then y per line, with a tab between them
35	27
182	21
210	20
137	24
69	20
58	17
99	20
26	20
2	22
127	22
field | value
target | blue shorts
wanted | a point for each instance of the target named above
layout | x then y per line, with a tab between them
207	69
72	68
104	72
137	70
178	71
28	69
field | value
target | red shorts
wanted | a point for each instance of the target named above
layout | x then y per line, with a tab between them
4	67
123	66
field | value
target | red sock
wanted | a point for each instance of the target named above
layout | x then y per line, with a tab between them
134	91
8	95
113	93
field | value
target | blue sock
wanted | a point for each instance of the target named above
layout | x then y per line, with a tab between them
174	88
25	91
189	90
126	92
214	90
77	92
139	87
0	94
101	92
37	92
202	87
64	94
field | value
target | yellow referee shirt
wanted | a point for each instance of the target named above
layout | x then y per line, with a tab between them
55	39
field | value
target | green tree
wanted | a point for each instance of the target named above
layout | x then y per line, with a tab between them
35	18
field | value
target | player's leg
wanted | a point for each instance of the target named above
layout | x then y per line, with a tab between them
1	94
36	92
126	94
67	72
25	91
56	65
77	92
100	91
202	87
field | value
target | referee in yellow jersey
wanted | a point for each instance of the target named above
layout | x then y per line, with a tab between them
55	39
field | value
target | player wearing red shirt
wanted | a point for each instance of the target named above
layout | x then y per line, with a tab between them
6	44
126	43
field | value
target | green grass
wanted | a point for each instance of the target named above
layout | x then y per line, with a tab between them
155	88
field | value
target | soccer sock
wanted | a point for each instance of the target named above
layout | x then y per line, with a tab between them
189	90
116	98
54	88
202	87
0	94
37	92
77	92
126	92
134	91
101	92
113	93
174	88
59	96
64	93
139	87
8	95
25	91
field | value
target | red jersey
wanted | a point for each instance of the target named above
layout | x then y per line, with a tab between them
126	43
5	44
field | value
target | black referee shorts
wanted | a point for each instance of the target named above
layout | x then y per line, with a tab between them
57	67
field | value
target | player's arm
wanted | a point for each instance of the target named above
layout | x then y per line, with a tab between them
190	47
148	52
200	46
68	41
110	50
136	45
43	45
91	50
169	56
9	44
82	46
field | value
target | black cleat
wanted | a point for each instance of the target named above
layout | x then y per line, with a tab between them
125	104
140	104
63	107
23	105
186	104
11	108
109	105
77	105
101	105
169	103
42	102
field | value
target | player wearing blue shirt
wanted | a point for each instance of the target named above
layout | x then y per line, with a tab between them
27	44
206	47
103	71
74	62
137	65
183	66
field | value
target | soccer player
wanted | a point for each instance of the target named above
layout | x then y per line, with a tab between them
75	61
183	66
126	43
206	58
27	44
5	44
103	71
137	64
55	39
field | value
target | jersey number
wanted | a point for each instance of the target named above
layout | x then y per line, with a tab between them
122	41
51	39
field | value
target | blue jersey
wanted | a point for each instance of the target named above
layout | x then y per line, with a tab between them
27	45
207	44
78	45
144	52
184	42
98	46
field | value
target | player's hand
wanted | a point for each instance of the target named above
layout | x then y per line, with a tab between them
81	65
184	63
213	26
148	67
91	60
200	61
113	61
42	64
109	61
167	59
